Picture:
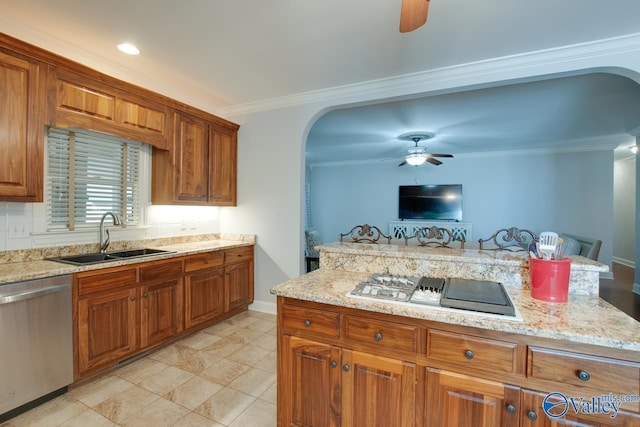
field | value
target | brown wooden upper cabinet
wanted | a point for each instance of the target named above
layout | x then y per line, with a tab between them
81	102
22	112
201	166
195	153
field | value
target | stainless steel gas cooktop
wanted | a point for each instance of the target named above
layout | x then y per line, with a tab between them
475	296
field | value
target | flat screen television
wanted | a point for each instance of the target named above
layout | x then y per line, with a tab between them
433	202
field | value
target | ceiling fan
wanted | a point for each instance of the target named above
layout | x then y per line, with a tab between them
413	14
418	155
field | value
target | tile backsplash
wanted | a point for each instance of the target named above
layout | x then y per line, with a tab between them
22	226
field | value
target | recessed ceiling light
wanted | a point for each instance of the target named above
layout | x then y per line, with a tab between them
128	48
634	149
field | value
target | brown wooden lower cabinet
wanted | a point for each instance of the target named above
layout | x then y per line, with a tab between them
533	414
461	400
161	314
328	386
204	296
312	385
237	293
340	366
377	391
106	328
122	311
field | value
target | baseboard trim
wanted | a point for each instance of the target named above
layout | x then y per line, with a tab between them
608	275
636	288
264	307
623	261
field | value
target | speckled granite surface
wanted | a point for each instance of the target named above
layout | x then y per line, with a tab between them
510	268
583	319
32	263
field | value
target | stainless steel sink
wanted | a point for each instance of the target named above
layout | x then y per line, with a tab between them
95	258
136	252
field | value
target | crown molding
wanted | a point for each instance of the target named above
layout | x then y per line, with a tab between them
453	76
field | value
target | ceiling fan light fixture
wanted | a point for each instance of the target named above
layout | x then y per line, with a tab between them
416	159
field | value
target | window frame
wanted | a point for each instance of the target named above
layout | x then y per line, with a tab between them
44	234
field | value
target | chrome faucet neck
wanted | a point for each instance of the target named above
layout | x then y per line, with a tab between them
104	243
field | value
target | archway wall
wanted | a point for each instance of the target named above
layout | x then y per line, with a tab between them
271	166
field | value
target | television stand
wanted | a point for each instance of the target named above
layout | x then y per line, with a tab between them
405	228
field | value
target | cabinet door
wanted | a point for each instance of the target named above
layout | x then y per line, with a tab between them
191	159
161	311
204	296
309	383
223	166
21	130
239	285
106	328
377	391
534	416
459	400
83	102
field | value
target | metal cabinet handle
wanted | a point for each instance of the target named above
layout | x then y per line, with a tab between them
333	364
511	409
307	323
346	368
469	354
132	298
584	375
532	415
377	336
145	295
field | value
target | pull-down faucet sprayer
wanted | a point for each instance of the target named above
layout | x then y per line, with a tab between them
104	244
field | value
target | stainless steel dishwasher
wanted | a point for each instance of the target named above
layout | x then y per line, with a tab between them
36	353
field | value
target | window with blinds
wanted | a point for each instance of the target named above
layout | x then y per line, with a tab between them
90	174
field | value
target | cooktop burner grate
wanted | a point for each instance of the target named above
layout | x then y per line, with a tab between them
385	287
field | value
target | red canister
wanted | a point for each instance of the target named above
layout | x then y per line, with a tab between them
550	279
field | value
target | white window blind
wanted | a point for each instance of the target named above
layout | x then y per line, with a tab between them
88	175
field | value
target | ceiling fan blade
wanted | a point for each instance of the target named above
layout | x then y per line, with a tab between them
441	155
404	162
413	14
434	161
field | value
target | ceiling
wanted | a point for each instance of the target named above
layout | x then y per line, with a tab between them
226	53
584	112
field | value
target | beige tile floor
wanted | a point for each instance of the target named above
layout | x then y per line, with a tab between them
224	375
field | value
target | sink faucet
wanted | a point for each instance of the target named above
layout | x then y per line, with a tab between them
104	244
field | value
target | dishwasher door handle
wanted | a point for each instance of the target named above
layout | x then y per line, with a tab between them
7	299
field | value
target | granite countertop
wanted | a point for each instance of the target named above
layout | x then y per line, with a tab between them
469	255
17	265
583	319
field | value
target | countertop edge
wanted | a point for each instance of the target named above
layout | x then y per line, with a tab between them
29	270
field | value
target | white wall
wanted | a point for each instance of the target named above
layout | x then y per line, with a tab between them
272	139
543	191
624	208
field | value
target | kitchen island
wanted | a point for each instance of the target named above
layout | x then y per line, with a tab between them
379	363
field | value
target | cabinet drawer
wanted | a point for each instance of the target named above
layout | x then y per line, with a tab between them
310	320
238	254
103	281
204	260
580	370
383	334
160	270
474	352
